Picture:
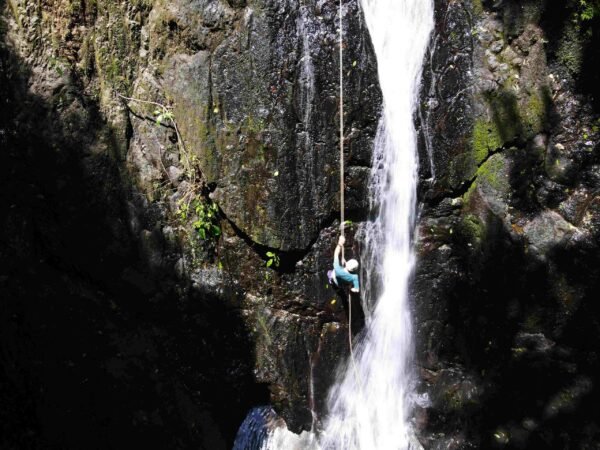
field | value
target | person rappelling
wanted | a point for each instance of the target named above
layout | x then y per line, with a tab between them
344	273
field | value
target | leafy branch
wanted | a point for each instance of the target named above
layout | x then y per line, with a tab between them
588	9
163	114
203	211
206	215
273	259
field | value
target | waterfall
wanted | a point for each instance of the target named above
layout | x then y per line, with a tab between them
371	403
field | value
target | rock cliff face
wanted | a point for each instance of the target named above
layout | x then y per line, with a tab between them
508	239
170	202
171	213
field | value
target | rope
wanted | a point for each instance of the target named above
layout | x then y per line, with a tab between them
342	204
341	127
356	373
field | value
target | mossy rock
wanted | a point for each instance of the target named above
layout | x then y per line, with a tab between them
489	194
477	7
493	175
473	229
484	139
570	51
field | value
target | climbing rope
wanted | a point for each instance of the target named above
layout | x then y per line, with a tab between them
341	127
342	186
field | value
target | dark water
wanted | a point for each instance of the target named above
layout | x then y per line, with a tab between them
255	428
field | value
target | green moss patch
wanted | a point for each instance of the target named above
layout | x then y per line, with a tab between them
535	112
486	137
473	229
493	174
477	7
570	51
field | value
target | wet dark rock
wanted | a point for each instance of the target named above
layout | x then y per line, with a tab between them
507	276
114	297
107	192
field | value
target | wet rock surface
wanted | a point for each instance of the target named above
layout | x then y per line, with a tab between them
507	275
171	201
101	347
125	325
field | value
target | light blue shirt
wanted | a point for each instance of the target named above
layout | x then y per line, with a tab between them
343	275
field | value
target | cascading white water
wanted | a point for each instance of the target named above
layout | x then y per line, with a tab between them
370	405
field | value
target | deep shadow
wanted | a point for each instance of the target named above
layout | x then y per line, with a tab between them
506	117
555	18
526	329
96	349
517	297
524	326
589	80
507	338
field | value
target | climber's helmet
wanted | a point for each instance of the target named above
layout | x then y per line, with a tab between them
351	265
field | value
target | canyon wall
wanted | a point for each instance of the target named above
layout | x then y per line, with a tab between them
170	207
506	288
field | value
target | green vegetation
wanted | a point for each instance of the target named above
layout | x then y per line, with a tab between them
273	259
535	111
478	7
506	114
486	138
570	51
163	114
206	217
492	173
197	216
588	9
473	229
507	118
577	33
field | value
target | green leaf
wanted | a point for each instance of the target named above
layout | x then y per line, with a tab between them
202	233
270	254
269	263
216	230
